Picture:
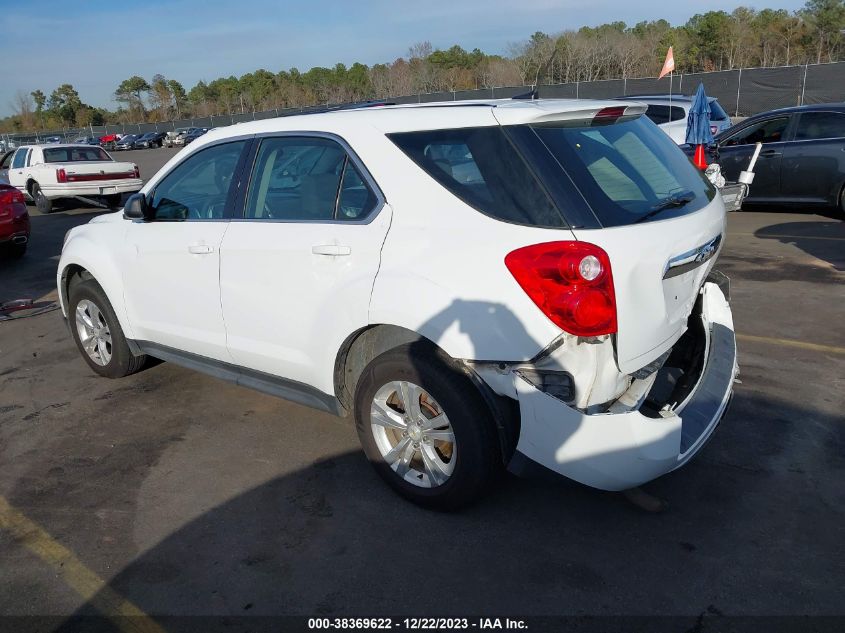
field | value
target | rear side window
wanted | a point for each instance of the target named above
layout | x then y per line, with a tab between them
306	179
813	125
628	171
664	114
481	167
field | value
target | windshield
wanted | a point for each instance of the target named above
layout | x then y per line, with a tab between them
128	138
627	172
87	153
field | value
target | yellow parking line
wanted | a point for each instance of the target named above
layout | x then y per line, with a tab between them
93	589
815	347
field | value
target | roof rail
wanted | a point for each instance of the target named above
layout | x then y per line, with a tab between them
344	106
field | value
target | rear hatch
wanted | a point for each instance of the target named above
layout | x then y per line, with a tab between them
624	186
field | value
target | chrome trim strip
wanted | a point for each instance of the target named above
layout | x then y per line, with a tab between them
692	259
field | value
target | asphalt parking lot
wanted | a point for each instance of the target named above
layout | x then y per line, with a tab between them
173	493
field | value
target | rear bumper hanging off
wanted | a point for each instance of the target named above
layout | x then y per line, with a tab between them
616	451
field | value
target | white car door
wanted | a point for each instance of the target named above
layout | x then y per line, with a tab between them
297	271
171	277
17	170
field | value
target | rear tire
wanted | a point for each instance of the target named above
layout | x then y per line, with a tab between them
424	466
97	332
42	202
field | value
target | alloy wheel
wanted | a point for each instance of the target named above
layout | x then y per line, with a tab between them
413	434
94	333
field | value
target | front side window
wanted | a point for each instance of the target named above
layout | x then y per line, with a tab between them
7	160
20	158
768	131
356	199
198	187
815	125
306	179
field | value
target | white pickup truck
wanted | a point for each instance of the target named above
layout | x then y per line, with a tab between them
45	173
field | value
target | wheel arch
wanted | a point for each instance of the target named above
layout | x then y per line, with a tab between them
73	269
361	347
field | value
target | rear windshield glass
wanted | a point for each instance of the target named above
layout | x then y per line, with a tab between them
74	154
717	113
629	171
482	168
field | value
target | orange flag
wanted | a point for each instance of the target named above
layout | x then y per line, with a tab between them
668	65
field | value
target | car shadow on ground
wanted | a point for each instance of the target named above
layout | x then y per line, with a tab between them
774	208
822	240
331	540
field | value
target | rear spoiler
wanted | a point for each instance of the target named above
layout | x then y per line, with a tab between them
551	110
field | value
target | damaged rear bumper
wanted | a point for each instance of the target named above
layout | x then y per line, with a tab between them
616	451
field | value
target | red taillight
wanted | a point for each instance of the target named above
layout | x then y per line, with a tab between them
609	115
137	172
571	282
11	196
61	175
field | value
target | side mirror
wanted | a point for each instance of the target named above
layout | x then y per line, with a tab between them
136	208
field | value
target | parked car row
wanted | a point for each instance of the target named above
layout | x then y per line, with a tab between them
117	141
141	141
183	136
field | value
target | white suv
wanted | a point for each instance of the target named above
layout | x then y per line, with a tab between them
670	113
478	284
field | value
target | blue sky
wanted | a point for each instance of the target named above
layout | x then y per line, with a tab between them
95	44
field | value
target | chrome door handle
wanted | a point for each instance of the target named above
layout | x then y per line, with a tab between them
200	249
769	153
331	249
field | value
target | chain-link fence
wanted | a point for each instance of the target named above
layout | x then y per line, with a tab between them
741	92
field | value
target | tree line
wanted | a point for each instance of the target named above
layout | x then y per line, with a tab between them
716	40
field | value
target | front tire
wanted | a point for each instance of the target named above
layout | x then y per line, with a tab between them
42	202
425	428
97	332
